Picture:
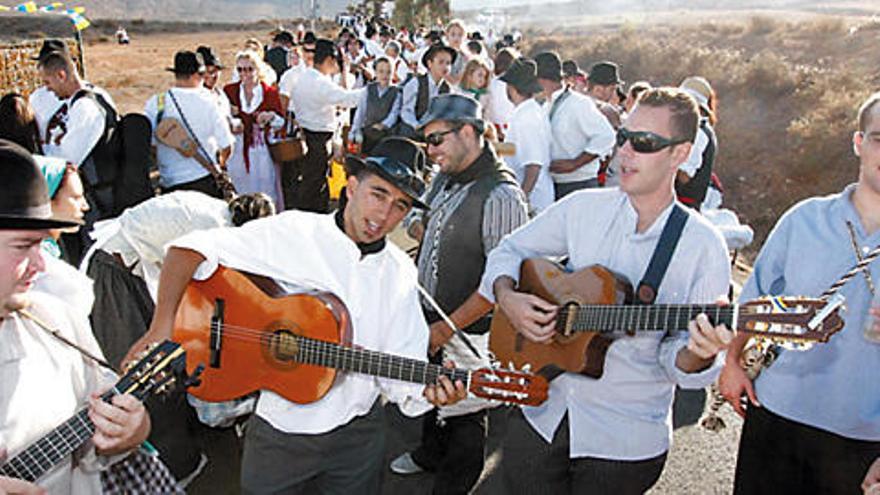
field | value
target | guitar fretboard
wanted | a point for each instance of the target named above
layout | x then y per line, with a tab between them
41	456
639	318
330	355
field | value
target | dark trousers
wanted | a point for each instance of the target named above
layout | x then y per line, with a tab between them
345	460
529	465
305	180
206	184
563	189
778	456
454	452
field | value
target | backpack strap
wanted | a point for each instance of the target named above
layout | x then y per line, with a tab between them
647	290
160	107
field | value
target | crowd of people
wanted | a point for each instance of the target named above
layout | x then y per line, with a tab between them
485	157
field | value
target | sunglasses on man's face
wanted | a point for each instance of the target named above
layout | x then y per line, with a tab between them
645	142
437	138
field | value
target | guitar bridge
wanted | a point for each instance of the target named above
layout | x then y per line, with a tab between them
214	343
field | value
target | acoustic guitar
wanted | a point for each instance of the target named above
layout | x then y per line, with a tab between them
173	134
251	335
596	306
156	373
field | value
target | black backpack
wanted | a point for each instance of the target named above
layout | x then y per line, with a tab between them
121	160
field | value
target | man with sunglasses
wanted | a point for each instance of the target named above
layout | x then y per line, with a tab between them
474	202
611	435
812	419
335	444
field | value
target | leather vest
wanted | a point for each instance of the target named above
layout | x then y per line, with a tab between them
460	254
423	98
378	107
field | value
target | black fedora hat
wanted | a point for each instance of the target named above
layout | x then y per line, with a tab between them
209	57
24	195
187	63
454	108
604	73
398	160
51	45
438	47
549	66
523	75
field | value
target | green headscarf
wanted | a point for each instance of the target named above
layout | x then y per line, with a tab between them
53	170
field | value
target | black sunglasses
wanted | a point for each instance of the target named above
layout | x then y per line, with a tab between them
400	172
645	142
437	138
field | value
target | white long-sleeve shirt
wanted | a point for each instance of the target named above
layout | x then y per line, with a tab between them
578	126
530	133
315	97
43	382
304	250
627	413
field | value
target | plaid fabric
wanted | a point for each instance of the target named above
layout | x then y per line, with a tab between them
141	473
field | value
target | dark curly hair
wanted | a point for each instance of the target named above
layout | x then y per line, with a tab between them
247	207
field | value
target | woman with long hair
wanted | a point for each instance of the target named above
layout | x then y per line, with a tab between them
258	106
475	80
18	123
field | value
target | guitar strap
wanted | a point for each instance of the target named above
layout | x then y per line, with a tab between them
647	290
55	333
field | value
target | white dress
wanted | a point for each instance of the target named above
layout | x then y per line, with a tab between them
262	175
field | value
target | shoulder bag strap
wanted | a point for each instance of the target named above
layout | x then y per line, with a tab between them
55	333
647	290
192	135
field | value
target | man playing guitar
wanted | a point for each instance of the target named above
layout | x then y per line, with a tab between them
336	442
611	435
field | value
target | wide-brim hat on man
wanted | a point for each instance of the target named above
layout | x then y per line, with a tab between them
549	66
24	195
398	160
604	73
209	57
284	36
523	75
438	47
309	39
454	108
51	45
187	63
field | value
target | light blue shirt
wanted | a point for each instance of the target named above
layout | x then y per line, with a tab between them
833	386
627	413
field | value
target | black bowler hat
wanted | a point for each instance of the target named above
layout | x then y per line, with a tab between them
24	195
187	63
604	73
454	108
209	57
523	75
549	66
438	47
309	39
398	160
570	68
284	37
51	45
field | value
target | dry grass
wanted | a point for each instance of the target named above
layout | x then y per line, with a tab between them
789	92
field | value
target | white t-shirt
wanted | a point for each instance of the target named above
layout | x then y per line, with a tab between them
76	132
500	108
530	132
695	159
578	126
210	128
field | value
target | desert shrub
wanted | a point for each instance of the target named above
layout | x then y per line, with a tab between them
824	26
761	25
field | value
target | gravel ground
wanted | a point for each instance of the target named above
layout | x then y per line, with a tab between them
700	462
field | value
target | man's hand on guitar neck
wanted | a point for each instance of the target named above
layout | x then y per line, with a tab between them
13	486
529	314
444	393
704	343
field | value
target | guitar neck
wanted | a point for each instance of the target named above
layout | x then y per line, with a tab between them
641	318
47	452
330	355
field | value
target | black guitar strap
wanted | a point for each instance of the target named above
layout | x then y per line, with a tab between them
647	290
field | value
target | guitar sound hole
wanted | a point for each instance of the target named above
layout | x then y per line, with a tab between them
284	345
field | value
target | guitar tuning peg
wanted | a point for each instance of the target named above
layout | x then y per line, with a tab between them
527	368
